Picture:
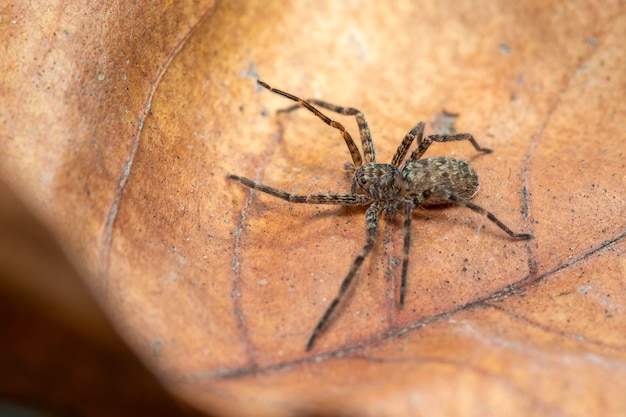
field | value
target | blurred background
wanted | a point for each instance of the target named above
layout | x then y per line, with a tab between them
59	356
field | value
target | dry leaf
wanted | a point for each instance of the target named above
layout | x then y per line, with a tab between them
121	124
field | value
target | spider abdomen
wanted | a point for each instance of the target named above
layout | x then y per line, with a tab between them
450	174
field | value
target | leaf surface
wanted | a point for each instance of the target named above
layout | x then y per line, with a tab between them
120	127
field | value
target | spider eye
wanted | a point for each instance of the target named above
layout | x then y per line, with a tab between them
363	180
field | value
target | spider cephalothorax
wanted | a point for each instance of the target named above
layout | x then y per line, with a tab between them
380	181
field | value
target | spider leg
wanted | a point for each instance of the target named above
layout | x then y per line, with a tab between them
408	213
425	143
416	132
457	199
337	199
364	131
354	151
371	222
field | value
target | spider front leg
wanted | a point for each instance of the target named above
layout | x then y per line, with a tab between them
364	131
354	151
457	199
371	224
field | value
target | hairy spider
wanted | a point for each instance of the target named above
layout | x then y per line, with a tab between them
387	189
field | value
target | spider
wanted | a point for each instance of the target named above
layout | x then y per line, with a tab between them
387	188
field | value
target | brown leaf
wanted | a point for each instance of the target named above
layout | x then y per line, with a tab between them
124	122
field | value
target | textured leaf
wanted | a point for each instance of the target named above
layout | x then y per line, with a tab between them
123	123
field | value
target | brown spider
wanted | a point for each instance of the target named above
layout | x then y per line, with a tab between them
387	189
